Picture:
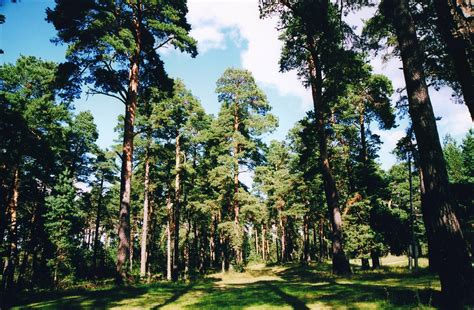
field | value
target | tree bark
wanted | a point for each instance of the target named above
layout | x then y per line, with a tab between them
340	264
97	224
176	205
143	249
365	263
455	268
433	257
127	153
169	224
457	31
306	245
283	236
375	256
9	272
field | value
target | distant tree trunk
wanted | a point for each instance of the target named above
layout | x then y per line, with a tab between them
235	201
97	224
306	255
365	263
256	241
455	268
264	231
143	250
132	240
375	256
169	224
315	242
176	204
433	257
457	31
9	271
322	246
236	150
340	263
283	237
186	255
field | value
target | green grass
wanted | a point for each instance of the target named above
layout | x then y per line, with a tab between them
260	287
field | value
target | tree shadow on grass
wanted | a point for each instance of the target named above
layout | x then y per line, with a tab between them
237	296
290	299
73	299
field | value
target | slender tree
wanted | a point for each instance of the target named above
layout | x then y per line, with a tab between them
110	56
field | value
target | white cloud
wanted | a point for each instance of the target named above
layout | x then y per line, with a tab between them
263	47
208	37
211	21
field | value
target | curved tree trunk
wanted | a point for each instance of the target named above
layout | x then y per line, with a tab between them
340	263
455	268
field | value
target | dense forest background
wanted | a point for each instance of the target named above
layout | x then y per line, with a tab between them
168	202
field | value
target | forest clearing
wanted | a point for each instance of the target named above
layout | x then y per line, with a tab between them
260	287
237	154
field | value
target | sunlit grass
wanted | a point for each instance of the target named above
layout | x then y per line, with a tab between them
262	287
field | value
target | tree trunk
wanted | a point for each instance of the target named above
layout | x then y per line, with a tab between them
306	246
132	240
97	224
169	224
440	220
433	257
143	250
365	263
283	237
375	256
9	271
176	204
340	264
127	153
457	31
264	231
256	241
322	246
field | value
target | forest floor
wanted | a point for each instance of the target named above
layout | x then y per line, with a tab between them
263	287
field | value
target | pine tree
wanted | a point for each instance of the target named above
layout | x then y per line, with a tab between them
111	46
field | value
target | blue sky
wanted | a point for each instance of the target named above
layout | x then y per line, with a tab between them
230	34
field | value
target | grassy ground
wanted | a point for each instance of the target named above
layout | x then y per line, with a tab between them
262	287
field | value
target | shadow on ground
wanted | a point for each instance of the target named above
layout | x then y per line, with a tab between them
298	287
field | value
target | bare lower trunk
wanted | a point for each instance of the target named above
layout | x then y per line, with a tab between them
306	245
176	205
321	240
97	224
375	256
440	220
340	264
433	257
169	225
264	251
132	240
283	238
143	249
365	263
9	272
